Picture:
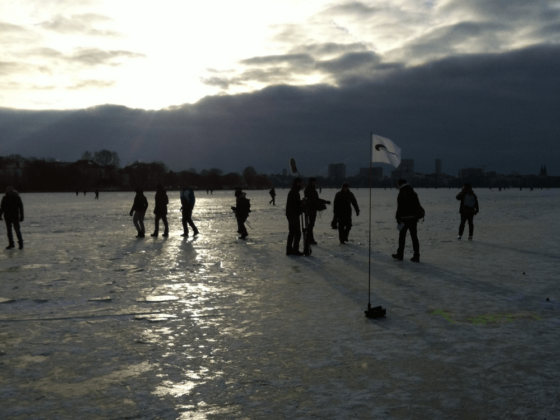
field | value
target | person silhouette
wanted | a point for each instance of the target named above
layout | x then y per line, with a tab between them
468	209
272	193
407	210
97	194
344	200
139	208
187	202
160	211
12	209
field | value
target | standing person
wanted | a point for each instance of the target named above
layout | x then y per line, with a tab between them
408	205
139	208
293	213
77	192
467	209
272	193
12	209
161	211
313	204
85	193
342	208
242	209
97	194
187	203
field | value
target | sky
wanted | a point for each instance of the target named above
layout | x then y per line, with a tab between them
418	72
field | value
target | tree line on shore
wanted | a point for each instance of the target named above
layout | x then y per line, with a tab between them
101	170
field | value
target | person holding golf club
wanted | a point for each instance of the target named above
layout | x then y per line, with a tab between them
293	213
313	204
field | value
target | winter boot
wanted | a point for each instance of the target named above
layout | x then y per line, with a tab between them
11	246
20	245
397	257
415	258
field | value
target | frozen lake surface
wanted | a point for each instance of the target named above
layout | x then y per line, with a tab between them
96	324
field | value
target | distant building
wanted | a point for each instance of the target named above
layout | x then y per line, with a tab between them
376	173
543	171
405	169
438	167
469	172
337	170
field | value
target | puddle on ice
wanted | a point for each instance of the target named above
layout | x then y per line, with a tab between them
6	300
155	317
155	299
100	299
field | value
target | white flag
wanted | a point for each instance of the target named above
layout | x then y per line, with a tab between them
385	151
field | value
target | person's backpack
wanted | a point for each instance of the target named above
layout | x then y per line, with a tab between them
470	201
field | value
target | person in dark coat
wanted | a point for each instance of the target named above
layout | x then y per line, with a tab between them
97	194
342	208
161	210
467	209
139	208
293	213
12	209
408	205
187	206
242	209
272	193
313	204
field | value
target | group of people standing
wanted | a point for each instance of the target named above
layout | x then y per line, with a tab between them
140	206
409	212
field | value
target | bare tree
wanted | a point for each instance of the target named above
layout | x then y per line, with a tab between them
249	174
107	158
87	155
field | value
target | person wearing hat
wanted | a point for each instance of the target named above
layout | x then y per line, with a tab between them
12	209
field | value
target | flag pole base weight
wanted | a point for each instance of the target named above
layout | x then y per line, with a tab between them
376	312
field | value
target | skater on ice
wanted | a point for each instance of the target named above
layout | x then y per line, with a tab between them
161	211
313	204
408	206
344	200
139	208
293	213
272	193
187	206
12	209
242	209
468	209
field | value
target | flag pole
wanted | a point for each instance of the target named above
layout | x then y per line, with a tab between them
369	241
378	311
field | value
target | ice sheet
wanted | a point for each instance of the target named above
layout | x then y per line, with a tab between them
95	323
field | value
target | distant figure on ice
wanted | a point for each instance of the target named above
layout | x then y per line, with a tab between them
272	193
467	209
293	213
85	193
139	208
161	211
342	208
313	204
97	194
242	209
77	192
187	203
12	209
408	206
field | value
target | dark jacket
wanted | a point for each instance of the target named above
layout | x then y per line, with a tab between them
293	204
464	209
161	203
407	203
272	192
12	207
313	202
343	202
140	204
242	207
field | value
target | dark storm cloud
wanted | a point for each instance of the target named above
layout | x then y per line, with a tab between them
296	60
498	110
78	24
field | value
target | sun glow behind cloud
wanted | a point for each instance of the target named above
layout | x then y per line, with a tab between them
72	54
